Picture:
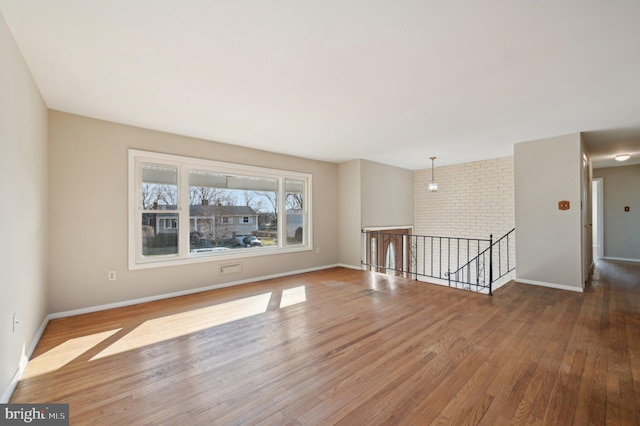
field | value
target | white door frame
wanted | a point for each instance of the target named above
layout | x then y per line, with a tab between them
600	206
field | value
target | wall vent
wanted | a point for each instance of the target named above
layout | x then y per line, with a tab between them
230	268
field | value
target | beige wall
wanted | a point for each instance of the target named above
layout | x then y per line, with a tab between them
387	195
23	236
371	195
350	207
621	229
549	241
88	214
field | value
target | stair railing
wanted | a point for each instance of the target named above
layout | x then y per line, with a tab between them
473	272
473	264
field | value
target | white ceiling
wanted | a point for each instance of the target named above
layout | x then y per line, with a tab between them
389	81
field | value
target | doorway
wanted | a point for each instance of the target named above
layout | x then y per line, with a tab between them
387	251
598	218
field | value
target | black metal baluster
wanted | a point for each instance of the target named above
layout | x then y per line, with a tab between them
490	263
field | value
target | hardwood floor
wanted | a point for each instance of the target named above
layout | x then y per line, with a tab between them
350	347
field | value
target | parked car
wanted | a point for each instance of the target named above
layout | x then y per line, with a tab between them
249	241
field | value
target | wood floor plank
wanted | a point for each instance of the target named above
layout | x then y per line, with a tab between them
352	347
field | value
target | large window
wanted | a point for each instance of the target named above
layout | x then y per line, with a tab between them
184	210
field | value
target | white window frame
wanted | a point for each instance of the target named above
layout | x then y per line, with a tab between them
171	221
185	256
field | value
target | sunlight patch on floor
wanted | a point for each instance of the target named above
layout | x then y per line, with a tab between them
64	353
172	326
293	296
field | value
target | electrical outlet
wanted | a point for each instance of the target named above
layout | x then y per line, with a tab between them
111	275
15	322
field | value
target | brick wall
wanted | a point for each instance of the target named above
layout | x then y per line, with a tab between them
473	200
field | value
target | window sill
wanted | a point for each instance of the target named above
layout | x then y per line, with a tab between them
215	256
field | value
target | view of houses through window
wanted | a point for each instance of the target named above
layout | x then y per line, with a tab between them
226	211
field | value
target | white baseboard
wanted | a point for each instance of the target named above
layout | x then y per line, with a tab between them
504	280
550	285
344	265
24	359
182	293
6	395
621	259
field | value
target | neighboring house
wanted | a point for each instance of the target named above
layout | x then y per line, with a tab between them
212	222
162	223
167	224
216	222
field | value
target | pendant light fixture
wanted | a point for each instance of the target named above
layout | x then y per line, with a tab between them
433	186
